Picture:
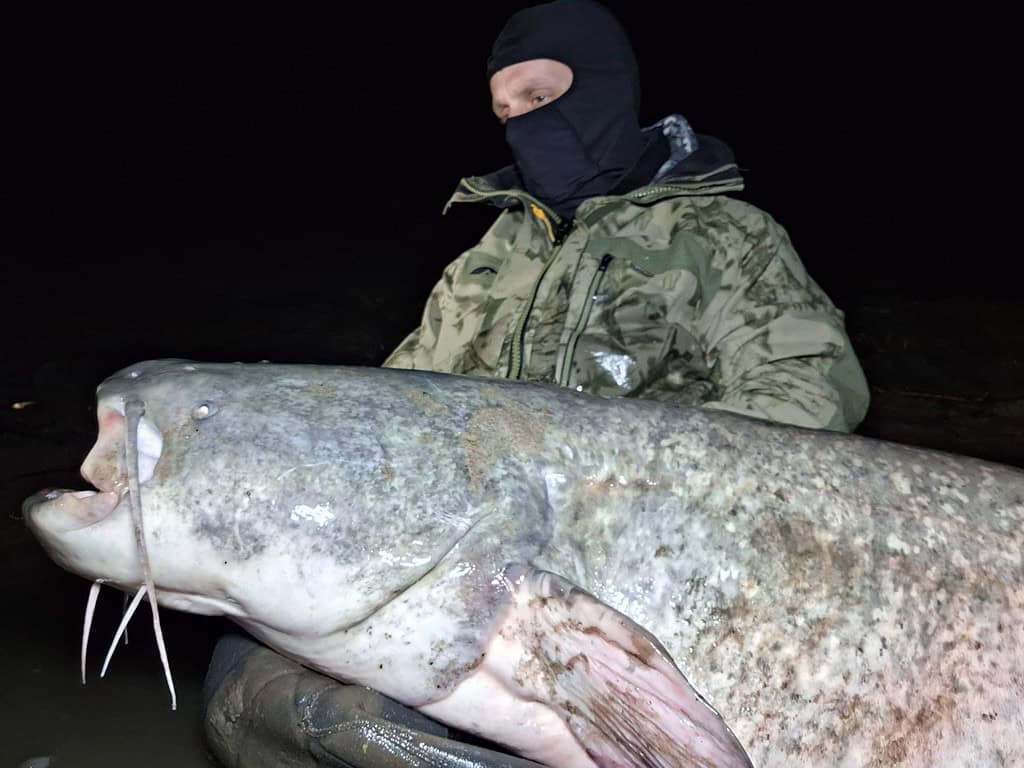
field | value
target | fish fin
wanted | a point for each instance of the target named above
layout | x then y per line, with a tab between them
611	681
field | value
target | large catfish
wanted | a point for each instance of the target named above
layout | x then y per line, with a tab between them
588	581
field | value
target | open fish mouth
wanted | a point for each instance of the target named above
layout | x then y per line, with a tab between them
123	458
106	467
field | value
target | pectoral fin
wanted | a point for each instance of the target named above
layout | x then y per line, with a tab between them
612	687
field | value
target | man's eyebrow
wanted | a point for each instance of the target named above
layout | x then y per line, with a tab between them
532	84
523	88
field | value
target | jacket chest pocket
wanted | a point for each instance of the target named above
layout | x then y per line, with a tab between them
627	316
474	279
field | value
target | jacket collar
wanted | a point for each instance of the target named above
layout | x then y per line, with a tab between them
697	165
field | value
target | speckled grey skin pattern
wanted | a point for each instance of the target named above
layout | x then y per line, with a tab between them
840	601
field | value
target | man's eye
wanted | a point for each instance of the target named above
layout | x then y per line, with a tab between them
540	98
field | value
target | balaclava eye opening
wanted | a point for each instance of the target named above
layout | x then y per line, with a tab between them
585	142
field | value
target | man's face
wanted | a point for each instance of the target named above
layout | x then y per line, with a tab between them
528	85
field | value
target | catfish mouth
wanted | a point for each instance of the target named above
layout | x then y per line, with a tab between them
63	511
59	511
123	458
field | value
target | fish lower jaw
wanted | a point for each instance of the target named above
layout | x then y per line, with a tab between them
62	511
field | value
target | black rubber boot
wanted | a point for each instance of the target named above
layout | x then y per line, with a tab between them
264	710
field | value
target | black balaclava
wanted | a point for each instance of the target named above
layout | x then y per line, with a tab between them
585	142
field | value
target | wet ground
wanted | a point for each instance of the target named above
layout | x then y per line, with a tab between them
946	372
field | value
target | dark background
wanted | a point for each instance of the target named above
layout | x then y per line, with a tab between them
255	184
882	135
252	184
176	147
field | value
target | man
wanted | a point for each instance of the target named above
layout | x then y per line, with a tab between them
616	266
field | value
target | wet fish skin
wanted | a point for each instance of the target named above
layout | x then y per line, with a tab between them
837	600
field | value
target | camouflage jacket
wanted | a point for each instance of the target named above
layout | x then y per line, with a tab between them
672	292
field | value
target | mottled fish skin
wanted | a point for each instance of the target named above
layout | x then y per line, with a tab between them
839	600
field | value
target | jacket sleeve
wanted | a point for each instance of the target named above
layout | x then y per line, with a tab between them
418	351
450	321
776	345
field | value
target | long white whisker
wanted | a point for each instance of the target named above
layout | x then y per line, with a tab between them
163	653
121	627
90	609
124	609
133	411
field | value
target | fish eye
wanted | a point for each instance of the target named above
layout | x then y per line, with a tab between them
203	411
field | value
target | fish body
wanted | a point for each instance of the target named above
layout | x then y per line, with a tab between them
589	581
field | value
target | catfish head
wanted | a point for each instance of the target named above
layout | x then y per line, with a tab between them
266	493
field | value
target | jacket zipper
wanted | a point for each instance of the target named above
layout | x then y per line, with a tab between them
515	352
583	319
556	234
